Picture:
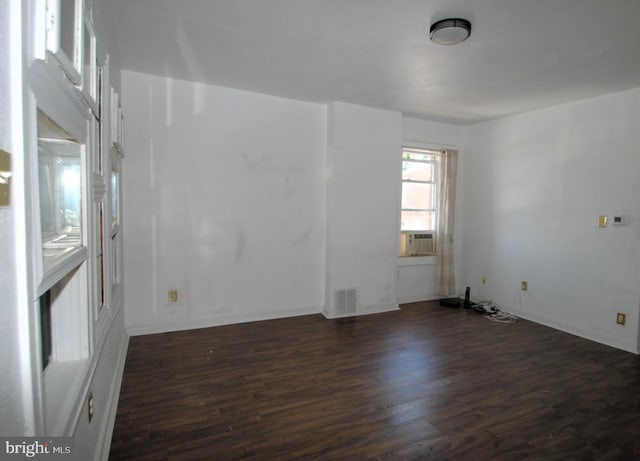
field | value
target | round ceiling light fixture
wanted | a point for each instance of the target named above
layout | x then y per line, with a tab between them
450	31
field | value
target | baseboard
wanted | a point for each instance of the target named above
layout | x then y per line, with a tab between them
607	341
103	444
193	324
417	299
364	310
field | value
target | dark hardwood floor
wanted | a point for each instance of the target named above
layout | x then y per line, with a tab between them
425	382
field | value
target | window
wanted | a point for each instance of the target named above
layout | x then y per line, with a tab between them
116	235
90	70
419	201
60	190
61	300
117	131
115	190
99	177
64	20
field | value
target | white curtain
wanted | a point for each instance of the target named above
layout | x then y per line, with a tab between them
446	285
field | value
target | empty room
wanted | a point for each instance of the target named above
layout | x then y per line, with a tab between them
320	229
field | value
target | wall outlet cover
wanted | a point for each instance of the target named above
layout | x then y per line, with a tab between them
5	178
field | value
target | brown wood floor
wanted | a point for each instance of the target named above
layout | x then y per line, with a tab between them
425	382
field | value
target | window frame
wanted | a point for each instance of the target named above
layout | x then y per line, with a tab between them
54	253
115	219
51	269
90	87
405	234
434	183
72	65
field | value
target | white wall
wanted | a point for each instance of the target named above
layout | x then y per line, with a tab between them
16	416
224	202
431	134
254	207
534	185
417	275
363	199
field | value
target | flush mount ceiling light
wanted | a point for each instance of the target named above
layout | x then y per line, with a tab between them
450	31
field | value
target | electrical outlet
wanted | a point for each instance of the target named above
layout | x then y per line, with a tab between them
621	318
484	279
172	296
524	286
90	406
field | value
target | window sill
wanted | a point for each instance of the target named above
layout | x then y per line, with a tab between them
55	268
406	261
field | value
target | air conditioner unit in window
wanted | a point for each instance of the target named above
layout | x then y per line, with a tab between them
417	243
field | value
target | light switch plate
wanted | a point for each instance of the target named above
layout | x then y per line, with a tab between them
602	221
5	178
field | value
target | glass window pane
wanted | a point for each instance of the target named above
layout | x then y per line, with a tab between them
60	189
100	259
68	29
114	260
417	196
417	171
114	198
87	60
417	220
417	154
89	63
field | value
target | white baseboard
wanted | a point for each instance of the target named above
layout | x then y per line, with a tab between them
103	444
606	340
192	324
364	310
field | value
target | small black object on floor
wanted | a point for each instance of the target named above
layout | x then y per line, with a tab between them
466	302
450	302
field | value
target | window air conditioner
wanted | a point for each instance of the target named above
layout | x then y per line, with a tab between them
417	243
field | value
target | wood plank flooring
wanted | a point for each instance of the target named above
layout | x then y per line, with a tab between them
425	382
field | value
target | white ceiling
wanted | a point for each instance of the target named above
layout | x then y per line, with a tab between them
522	54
